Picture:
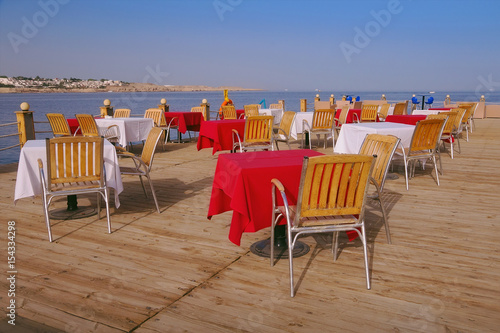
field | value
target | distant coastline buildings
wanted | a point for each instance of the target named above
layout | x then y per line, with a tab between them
71	83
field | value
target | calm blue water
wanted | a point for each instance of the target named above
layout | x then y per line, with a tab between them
71	103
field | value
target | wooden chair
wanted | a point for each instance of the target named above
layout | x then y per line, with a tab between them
275	106
121	113
369	113
201	109
447	135
472	123
423	146
342	119
75	166
144	162
112	134
283	133
229	112
382	146
322	123
250	110
58	124
257	136
453	128
331	198
384	110
399	109
160	121
467	118
87	124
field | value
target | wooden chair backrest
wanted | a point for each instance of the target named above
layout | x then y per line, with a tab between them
399	109
258	129
122	113
287	122
229	112
87	124
58	123
426	134
150	146
457	125
276	106
251	110
384	110
323	119
333	185
72	159
201	109
383	146
450	120
369	112
469	108
343	114
156	115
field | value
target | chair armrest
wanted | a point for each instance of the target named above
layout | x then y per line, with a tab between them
305	126
42	175
171	121
277	134
137	161
278	184
123	152
355	115
235	133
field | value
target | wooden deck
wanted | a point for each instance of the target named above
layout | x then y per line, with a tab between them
178	272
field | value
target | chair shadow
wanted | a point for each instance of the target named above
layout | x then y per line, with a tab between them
128	201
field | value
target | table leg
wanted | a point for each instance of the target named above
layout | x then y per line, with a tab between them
72	203
263	248
72	211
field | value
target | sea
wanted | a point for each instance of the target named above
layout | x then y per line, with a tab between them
70	104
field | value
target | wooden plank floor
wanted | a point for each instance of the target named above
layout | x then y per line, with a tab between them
178	272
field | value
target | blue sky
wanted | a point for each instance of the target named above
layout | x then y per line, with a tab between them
331	45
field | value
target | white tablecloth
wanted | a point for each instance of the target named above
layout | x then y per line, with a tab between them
276	113
131	129
297	124
426	112
351	136
28	182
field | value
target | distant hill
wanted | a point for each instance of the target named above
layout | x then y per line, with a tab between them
41	85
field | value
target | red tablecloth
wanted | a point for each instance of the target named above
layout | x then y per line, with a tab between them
218	134
242	183
405	119
73	125
187	121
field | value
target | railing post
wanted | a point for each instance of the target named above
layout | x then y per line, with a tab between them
106	110
164	106
25	124
332	99
447	100
303	105
383	98
316	99
206	105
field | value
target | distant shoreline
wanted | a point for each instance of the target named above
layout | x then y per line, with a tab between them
131	87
